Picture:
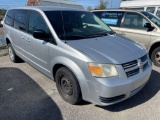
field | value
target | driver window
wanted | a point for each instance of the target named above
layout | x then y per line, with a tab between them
134	21
36	22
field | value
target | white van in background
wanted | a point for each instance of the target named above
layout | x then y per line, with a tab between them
152	6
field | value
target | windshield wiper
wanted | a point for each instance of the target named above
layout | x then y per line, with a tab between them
72	37
98	34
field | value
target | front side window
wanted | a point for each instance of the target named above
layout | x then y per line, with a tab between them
71	25
36	22
134	21
111	18
9	17
153	18
150	9
20	19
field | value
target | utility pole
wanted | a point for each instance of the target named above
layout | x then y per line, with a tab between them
111	3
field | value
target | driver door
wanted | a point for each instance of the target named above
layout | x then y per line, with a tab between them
37	49
133	28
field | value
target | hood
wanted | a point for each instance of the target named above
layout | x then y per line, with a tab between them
112	49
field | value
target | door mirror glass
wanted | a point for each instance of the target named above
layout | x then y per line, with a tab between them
40	34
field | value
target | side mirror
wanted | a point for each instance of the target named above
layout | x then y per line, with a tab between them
149	26
40	34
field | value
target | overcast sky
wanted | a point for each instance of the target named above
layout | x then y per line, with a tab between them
19	3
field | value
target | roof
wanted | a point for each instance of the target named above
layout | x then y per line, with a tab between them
116	10
61	1
66	3
139	3
49	8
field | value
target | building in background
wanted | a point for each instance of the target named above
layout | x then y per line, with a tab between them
152	6
63	3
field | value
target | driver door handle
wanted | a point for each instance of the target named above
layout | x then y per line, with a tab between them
27	39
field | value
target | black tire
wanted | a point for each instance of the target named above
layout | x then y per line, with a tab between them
12	55
155	56
68	86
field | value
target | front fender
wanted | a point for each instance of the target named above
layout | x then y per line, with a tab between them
153	42
77	72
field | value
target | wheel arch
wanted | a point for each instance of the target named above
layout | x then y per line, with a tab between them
154	46
7	41
66	62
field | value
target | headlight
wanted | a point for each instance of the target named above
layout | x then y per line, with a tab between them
102	70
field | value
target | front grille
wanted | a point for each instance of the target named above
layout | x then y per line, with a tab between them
113	99
130	64
144	58
136	66
133	72
145	65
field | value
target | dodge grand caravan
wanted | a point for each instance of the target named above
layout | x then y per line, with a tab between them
142	26
76	49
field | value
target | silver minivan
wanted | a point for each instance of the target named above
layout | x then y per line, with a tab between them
142	27
76	49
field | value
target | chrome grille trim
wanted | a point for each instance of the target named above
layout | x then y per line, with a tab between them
133	72
136	66
130	64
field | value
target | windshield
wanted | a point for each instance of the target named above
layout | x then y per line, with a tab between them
71	25
153	18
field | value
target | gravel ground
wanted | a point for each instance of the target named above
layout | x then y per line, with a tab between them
3	50
27	94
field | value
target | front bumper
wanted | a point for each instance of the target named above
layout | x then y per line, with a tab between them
108	91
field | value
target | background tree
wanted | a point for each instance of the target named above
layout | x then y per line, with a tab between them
102	5
89	8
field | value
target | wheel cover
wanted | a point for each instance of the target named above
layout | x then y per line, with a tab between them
157	57
11	55
66	85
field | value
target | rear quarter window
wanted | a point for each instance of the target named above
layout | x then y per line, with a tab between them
9	17
111	18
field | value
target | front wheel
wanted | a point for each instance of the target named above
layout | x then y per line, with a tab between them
155	57
12	55
68	86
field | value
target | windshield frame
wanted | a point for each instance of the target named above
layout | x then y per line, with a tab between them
82	34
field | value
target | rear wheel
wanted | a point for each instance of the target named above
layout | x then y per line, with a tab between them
156	56
68	86
12	55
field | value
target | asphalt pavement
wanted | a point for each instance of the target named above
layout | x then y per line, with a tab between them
27	94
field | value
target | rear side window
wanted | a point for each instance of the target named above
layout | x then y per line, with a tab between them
9	17
150	9
158	12
111	18
20	19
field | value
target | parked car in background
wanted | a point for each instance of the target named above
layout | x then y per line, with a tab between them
152	6
142	26
81	53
